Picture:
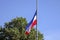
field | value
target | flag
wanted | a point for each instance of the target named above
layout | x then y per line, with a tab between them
31	24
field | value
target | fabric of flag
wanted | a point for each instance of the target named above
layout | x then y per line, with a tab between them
31	24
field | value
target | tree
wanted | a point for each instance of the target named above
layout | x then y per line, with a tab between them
15	30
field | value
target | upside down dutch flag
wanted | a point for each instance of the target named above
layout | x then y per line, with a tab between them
31	24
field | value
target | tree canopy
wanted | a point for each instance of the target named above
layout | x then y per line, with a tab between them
15	30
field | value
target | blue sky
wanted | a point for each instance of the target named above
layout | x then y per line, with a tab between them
48	14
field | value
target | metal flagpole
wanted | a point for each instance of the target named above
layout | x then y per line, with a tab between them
36	17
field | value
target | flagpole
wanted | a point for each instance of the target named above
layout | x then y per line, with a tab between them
36	24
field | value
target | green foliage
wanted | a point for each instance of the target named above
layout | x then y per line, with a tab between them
15	30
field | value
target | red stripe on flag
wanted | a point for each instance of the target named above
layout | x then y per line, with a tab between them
26	33
34	23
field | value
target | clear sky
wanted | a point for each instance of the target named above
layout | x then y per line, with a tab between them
48	14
